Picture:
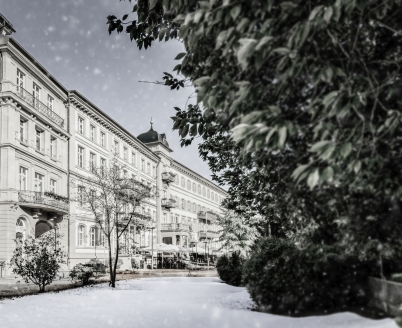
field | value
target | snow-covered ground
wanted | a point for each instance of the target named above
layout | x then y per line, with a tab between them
159	302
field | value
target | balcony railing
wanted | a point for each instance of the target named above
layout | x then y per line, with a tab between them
175	227
39	106
201	215
207	234
169	202
211	216
168	177
39	198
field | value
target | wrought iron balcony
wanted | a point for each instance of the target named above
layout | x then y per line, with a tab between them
168	177
168	203
36	199
175	227
39	106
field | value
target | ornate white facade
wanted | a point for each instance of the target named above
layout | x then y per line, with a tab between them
48	138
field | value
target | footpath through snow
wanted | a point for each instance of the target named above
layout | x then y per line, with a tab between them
159	302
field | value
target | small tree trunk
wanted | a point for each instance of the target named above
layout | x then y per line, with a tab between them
110	260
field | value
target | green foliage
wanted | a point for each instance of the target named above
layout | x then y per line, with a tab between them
38	260
230	268
286	279
86	271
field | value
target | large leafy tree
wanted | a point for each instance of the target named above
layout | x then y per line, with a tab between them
312	86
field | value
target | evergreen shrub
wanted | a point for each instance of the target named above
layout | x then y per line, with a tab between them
230	268
86	271
283	278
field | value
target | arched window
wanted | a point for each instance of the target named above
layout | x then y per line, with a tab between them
92	235
20	230
81	235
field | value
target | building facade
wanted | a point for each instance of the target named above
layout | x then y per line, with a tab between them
50	137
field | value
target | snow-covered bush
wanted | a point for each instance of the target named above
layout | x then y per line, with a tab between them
283	278
230	268
86	271
38	260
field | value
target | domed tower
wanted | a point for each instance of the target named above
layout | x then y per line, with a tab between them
157	142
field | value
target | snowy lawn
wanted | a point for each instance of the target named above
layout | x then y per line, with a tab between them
159	302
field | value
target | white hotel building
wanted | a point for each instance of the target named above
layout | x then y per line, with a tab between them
49	136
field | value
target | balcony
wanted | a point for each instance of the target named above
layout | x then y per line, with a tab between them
41	200
168	177
207	234
211	216
202	215
175	227
168	203
39	106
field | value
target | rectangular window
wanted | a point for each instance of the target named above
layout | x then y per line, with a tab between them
50	102
148	168
103	139
92	131
80	125
53	147
80	161
143	165
81	195
23	131
125	153
133	162
53	186
154	171
116	147
92	162
38	182
39	140
23	178
36	95
103	162
20	81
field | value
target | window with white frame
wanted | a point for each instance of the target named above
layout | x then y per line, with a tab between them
36	95
103	163
199	189
80	125
116	147
125	154
92	161
53	185
39	140
23	130
53	147
154	171
39	182
80	159
20	81
133	158
92	132
188	184
143	165
199	208
50	102
81	232
208	194
194	187
148	168
212	196
204	191
183	182
23	178
81	192
216	197
194	208
188	206
164	218
176	179
92	236
183	204
103	139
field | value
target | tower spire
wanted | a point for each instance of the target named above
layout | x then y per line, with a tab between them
151	123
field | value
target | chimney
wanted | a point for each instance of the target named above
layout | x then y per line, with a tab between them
6	28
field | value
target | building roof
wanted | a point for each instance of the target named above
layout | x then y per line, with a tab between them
153	136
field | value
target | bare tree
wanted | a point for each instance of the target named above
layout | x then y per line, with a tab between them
115	200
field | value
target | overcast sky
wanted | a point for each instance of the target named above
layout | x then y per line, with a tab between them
70	39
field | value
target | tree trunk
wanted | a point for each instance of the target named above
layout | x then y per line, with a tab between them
110	260
113	281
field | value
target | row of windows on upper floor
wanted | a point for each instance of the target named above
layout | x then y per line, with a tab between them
102	141
36	90
93	161
39	140
215	197
196	225
188	206
39	181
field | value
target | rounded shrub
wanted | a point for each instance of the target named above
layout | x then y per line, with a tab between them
230	268
283	278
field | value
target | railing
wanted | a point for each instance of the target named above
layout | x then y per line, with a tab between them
168	202
201	215
211	216
175	226
37	197
39	106
168	177
207	234
39	149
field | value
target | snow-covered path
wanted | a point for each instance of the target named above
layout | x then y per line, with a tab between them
159	302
